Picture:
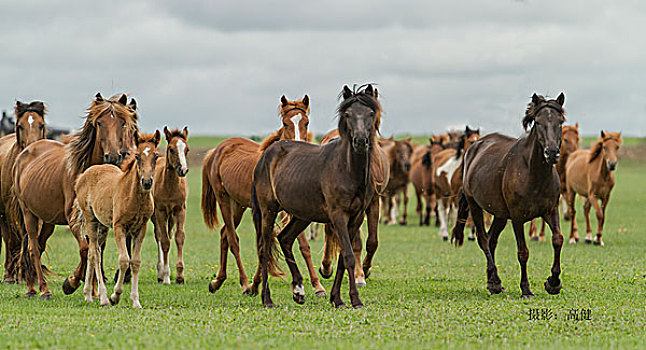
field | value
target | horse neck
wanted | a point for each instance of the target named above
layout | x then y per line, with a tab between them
96	157
358	164
130	181
537	164
169	175
599	167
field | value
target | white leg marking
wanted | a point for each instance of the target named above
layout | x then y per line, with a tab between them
299	290
443	212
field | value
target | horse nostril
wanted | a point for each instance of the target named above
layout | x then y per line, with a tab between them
106	158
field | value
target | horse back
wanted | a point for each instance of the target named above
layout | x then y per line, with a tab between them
232	167
96	189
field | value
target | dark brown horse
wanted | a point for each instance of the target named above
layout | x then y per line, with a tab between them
331	184
29	128
423	180
49	169
514	179
399	153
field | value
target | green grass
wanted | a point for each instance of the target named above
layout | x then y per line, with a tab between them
422	292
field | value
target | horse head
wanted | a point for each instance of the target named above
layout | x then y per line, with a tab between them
30	122
177	150
146	157
359	117
610	143
115	123
295	118
570	135
546	118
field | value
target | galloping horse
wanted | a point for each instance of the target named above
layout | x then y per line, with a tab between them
119	198
515	179
30	127
227	174
449	164
169	192
590	173
399	153
49	169
569	145
331	184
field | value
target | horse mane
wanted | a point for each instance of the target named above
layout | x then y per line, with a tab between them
172	132
37	107
360	95
532	108
270	140
81	144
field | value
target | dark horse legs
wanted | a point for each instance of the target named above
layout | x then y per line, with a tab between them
286	238
523	256
346	259
553	283
494	285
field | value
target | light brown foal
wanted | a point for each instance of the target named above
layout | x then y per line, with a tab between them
590	173
119	198
169	192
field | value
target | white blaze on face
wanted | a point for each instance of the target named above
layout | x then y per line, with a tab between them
146	150
296	120
181	146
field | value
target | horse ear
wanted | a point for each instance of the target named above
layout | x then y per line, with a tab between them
467	130
370	90
123	99
603	134
306	100
133	104
185	132
576	125
376	94
561	99
347	93
167	133
98	97
536	99
157	137
283	101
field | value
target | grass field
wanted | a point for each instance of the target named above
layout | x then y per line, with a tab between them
422	292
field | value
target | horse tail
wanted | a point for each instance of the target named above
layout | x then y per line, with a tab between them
332	242
457	235
209	201
27	268
265	241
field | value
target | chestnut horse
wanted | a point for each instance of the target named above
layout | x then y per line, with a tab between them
29	128
569	145
109	197
423	180
515	179
449	165
49	169
169	192
331	184
227	174
590	173
399	153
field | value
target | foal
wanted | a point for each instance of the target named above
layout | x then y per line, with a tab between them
169	192
119	198
590	173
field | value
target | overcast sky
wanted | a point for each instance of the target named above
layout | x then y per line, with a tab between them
220	67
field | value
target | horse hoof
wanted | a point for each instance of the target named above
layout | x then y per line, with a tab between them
358	306
320	294
527	296
46	296
67	287
553	290
326	276
340	305
403	223
588	241
535	239
106	304
213	287
445	238
495	289
471	238
268	305
299	299
30	294
577	239
366	272
179	281
572	241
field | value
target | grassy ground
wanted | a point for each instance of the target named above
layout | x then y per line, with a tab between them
422	292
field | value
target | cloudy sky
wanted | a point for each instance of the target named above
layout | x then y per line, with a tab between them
220	67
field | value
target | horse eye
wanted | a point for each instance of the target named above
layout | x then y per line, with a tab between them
284	124
98	123
172	150
123	125
307	124
188	150
42	127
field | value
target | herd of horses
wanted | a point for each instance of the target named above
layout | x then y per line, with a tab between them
109	175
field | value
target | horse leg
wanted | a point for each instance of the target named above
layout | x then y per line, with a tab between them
160	223
12	246
135	265
124	262
429	207
180	236
586	214
328	253
564	206
265	254
523	256
228	209
533	231
72	282
91	232
494	285
31	224
553	283
304	246
436	210
335	293
601	214
419	207
394	207
372	242
221	276
404	219
542	235
286	238
349	261
102	234
357	248
443	215
571	196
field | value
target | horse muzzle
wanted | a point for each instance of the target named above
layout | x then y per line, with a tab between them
612	166
112	158
147	184
182	172
551	156
360	144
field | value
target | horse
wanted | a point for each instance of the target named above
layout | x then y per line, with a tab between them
30	127
331	184
569	145
49	169
591	175
121	199
227	173
448	165
169	194
515	179
7	125
399	153
423	181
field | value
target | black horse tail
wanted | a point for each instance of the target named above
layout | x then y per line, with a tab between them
457	235
265	241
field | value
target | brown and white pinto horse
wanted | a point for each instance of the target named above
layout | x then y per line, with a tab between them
109	197
227	174
29	128
169	193
448	170
590	173
399	153
569	145
49	169
516	179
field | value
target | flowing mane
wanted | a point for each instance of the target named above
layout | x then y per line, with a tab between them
81	145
